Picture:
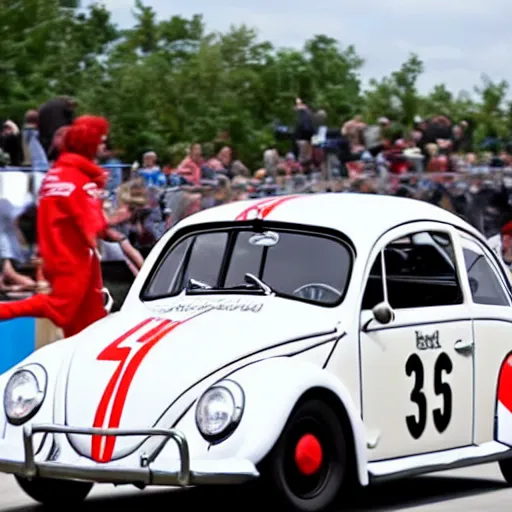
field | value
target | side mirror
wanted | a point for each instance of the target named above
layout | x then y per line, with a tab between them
383	313
473	284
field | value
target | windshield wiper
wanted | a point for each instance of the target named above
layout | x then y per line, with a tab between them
194	284
252	279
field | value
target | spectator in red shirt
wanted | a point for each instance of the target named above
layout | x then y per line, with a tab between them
396	158
222	163
437	162
69	221
290	165
190	167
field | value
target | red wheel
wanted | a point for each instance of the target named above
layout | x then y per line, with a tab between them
307	466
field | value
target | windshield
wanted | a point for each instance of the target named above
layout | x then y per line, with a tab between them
298	265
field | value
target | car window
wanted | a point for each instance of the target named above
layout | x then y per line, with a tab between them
298	265
168	270
246	258
485	285
299	261
374	290
206	258
204	254
420	272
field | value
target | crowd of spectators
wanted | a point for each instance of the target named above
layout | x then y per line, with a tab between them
435	161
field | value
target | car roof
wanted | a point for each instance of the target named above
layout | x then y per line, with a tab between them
361	217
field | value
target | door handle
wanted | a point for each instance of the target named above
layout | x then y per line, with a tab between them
463	346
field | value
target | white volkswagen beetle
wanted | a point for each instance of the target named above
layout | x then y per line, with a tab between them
305	341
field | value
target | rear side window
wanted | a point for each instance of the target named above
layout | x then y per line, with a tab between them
486	286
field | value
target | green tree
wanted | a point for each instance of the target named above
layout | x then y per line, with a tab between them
396	96
491	116
47	50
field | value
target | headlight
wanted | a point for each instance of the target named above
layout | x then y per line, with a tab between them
24	394
219	411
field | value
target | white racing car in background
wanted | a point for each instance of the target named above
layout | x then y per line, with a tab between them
306	341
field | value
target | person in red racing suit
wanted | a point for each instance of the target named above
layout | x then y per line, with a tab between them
69	221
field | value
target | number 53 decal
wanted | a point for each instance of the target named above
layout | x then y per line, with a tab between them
442	416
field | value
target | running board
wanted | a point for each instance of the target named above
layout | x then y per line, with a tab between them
403	467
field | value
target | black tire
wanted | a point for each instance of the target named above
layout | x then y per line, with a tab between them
317	492
506	470
55	493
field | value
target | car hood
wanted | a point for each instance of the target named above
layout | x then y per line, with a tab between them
128	369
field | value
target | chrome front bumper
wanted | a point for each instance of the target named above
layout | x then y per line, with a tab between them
150	471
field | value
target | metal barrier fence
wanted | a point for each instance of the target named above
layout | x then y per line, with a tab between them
20	184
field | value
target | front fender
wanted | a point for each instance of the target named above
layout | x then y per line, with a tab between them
272	388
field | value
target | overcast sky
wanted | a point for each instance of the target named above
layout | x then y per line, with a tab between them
457	39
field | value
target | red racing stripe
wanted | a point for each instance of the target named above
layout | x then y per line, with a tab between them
112	353
243	215
102	448
263	208
126	381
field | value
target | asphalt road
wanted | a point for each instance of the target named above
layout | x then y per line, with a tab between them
474	489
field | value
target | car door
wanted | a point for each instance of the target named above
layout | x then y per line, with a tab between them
492	328
417	370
